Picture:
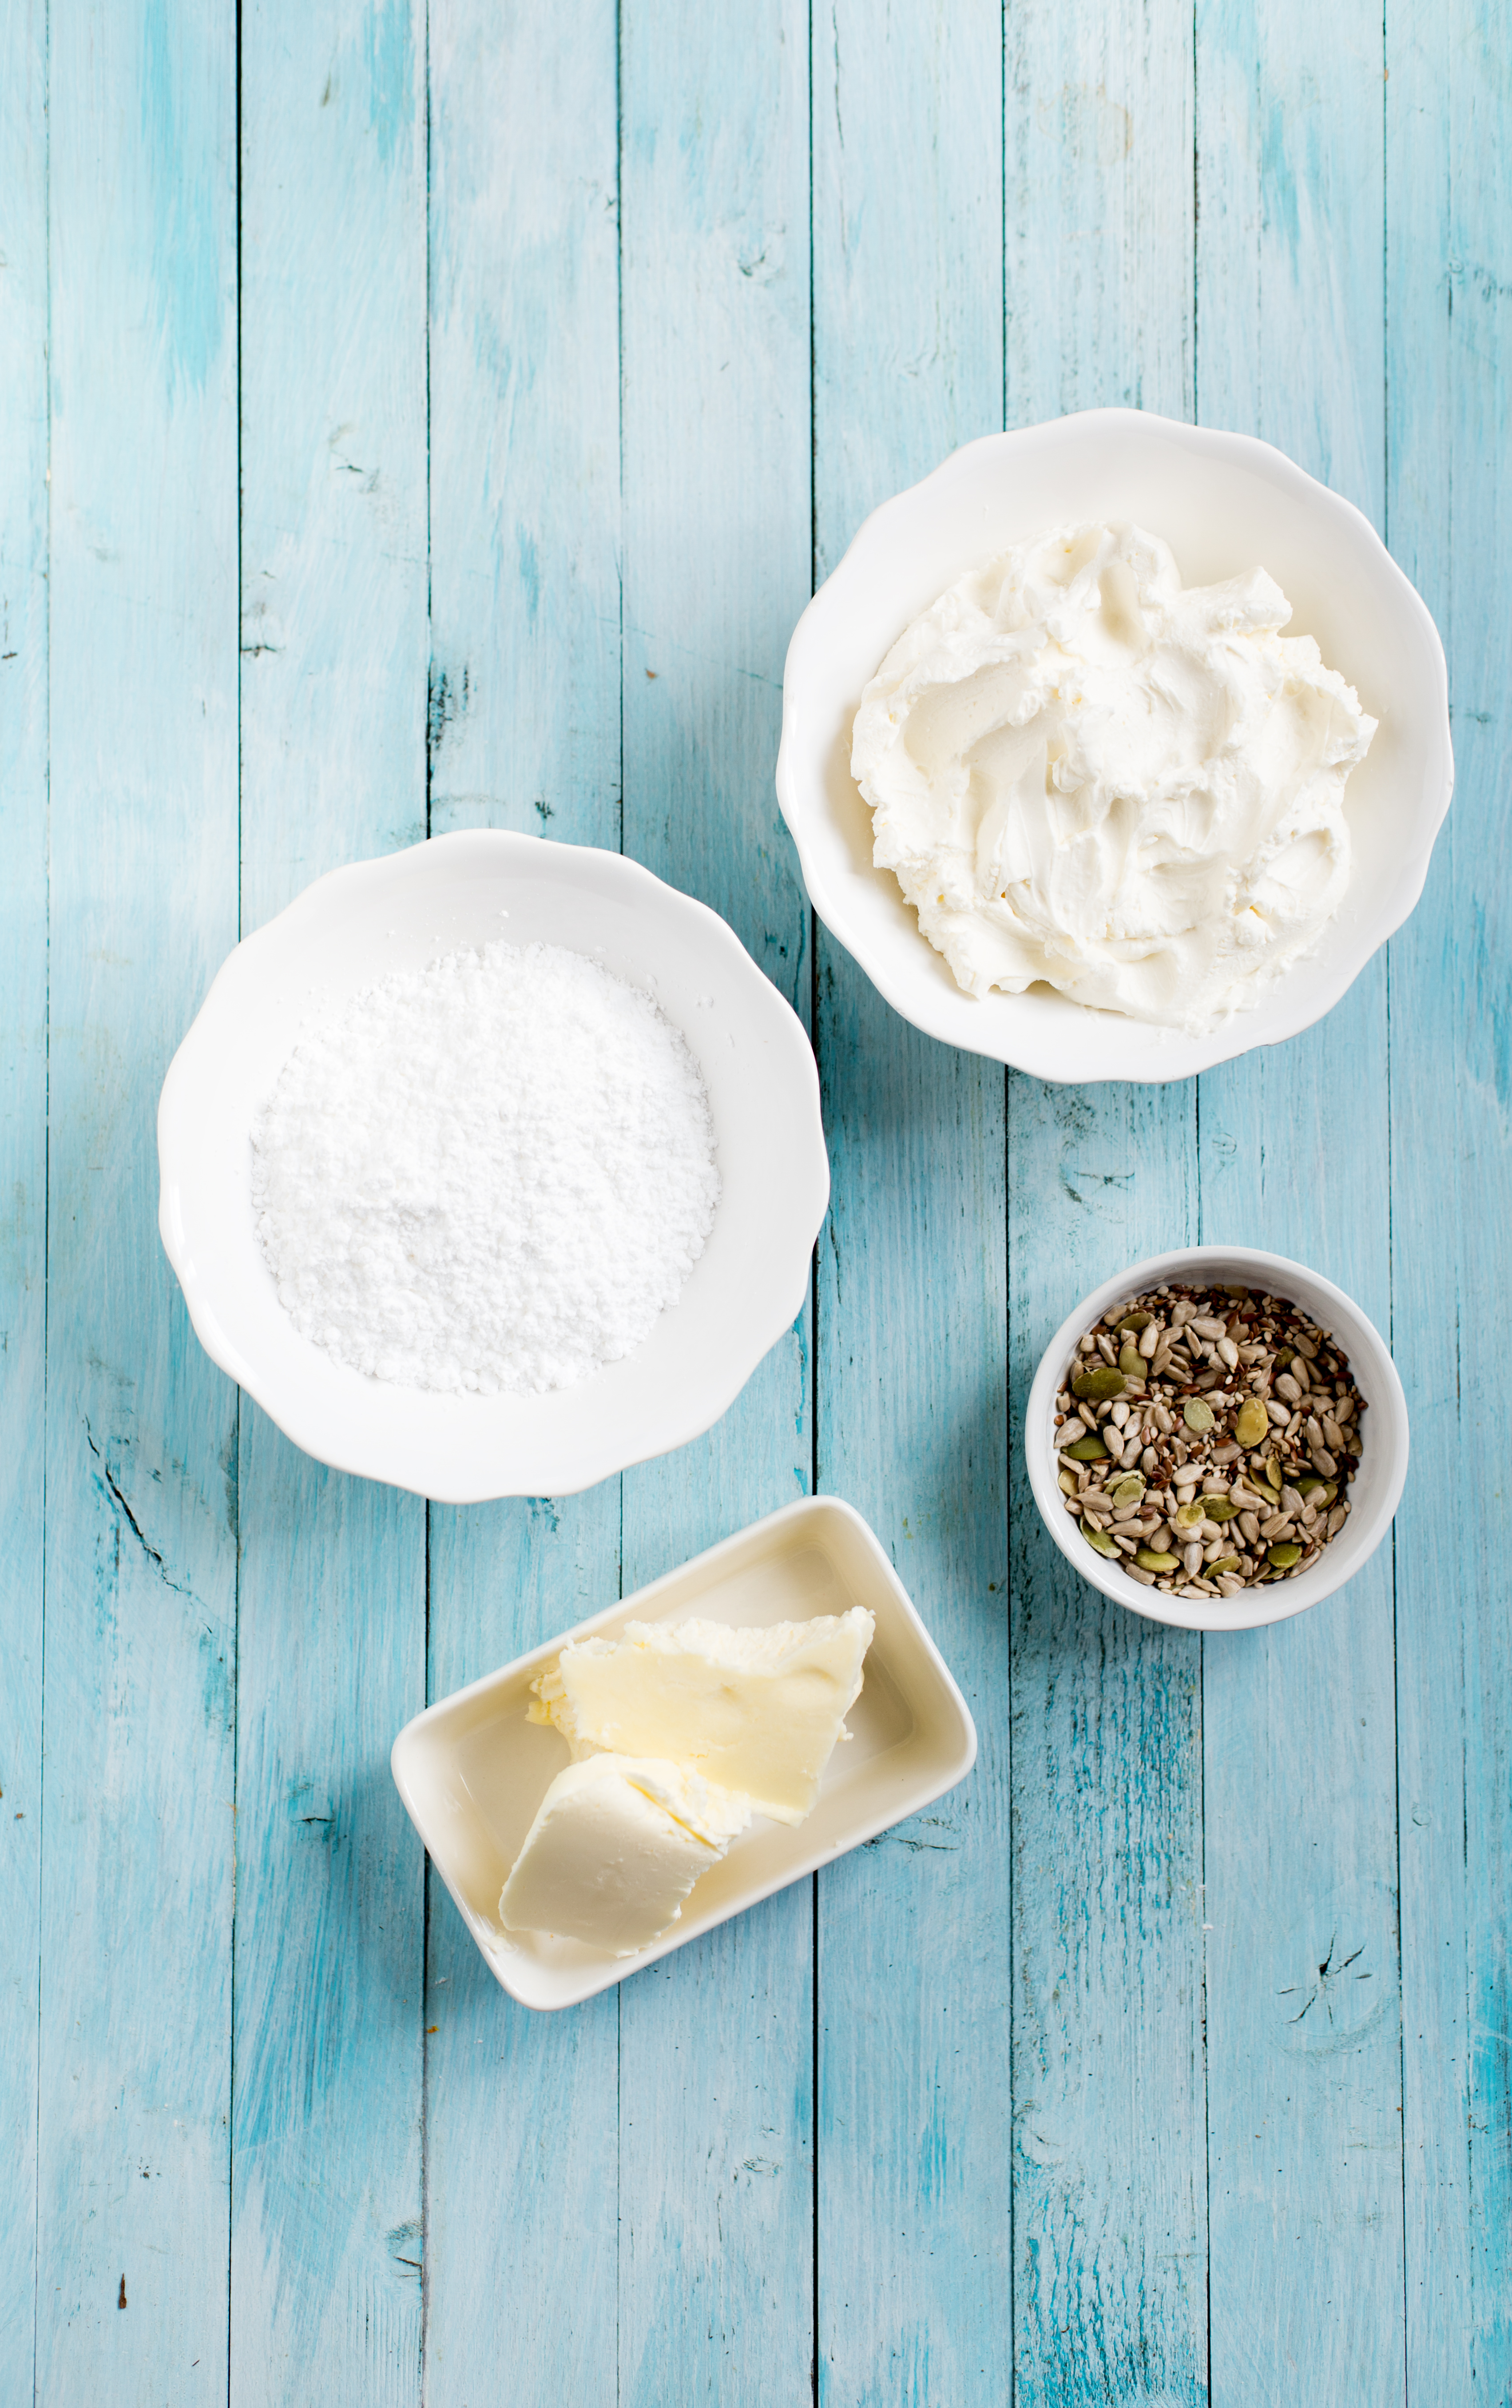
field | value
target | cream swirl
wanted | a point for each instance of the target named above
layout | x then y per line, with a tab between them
1081	771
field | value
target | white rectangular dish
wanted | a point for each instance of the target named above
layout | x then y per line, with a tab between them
471	1769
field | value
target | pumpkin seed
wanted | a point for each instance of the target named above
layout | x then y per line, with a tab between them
1129	1490
1224	1566
1252	1424
1068	1482
1221	1509
1088	1450
1149	1561
1098	1539
1198	1415
1131	1361
1099	1385
1285	1554
1190	1517
1134	1321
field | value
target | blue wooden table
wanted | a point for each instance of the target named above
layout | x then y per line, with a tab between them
418	419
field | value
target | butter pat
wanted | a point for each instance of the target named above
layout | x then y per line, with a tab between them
615	1848
755	1711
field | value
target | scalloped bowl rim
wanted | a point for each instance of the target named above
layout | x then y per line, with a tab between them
882	583
740	1298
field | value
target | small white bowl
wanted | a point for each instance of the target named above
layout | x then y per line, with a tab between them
1374	1493
400	912
472	1770
1224	503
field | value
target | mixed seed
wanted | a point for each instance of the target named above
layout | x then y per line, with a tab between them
1206	1436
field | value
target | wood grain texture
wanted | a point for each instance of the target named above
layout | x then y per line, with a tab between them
333	572
960	2121
1304	2020
716	2043
521	2111
24	1137
136	1953
1109	2212
1109	2206
328	2061
1449	273
915	2127
524	421
1097	170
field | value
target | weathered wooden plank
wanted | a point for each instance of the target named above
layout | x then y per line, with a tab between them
1304	2032
915	2124
23	1125
1097	165
137	1852
1109	2206
327	2121
521	2116
716	2252
1109	2212
524	421
1449	271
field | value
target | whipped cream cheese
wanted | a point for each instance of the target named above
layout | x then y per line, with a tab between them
617	1844
1083	772
757	1711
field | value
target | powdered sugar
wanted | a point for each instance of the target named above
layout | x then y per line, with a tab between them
494	1173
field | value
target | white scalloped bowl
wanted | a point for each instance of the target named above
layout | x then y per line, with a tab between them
1224	503
1374	1492
358	924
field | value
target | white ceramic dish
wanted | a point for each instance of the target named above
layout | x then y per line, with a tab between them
472	1770
400	912
1373	1493
1224	503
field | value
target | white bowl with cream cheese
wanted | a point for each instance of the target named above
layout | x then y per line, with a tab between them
1373	1493
1227	507
400	914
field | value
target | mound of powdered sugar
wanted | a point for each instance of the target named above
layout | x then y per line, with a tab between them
494	1173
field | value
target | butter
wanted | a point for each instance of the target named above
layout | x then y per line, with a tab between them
615	1848
757	1711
